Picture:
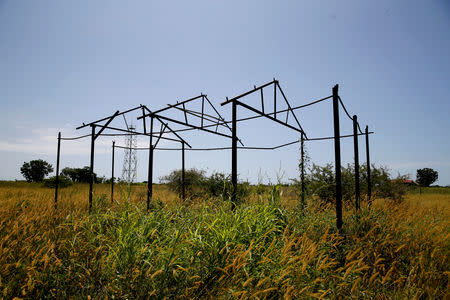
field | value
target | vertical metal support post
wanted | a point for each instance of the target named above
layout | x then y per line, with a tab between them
262	100
143	120
203	110
58	152
337	157
302	169
91	168
234	156
150	167
356	152
369	183
183	178
112	171
275	99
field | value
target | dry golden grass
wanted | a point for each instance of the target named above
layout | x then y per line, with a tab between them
262	250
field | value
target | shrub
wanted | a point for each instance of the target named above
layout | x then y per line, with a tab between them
320	181
219	185
193	181
80	174
63	182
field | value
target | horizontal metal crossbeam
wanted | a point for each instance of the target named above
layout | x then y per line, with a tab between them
267	116
248	93
190	125
104	119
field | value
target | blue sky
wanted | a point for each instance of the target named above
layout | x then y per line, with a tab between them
64	63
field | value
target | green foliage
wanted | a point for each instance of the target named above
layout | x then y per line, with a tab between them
36	170
426	176
321	182
193	181
206	251
80	174
63	182
219	185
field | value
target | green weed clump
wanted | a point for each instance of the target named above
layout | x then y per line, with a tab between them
205	250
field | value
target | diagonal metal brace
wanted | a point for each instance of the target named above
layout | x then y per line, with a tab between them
161	132
222	119
172	131
152	114
192	126
289	107
106	125
267	116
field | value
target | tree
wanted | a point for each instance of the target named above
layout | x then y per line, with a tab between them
36	170
426	176
79	174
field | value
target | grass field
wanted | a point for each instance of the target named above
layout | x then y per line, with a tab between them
267	248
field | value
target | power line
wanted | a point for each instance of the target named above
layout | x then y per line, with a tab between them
345	109
244	148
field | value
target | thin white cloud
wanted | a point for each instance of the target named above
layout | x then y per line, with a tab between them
43	141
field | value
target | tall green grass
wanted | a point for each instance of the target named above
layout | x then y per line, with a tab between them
205	250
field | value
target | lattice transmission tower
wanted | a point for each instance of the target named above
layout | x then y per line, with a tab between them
130	157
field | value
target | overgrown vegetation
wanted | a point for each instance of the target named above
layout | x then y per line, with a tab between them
320	182
203	250
81	175
198	185
63	182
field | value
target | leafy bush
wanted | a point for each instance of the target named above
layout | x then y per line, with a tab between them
219	185
63	182
320	181
80	174
193	179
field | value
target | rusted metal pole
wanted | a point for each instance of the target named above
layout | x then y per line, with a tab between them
58	152
302	169
91	168
369	183
234	156
356	152
337	157
274	98
183	178
150	167
112	171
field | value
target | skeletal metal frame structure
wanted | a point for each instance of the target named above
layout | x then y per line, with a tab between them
218	120
201	116
104	126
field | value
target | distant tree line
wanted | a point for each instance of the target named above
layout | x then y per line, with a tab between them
37	170
319	180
